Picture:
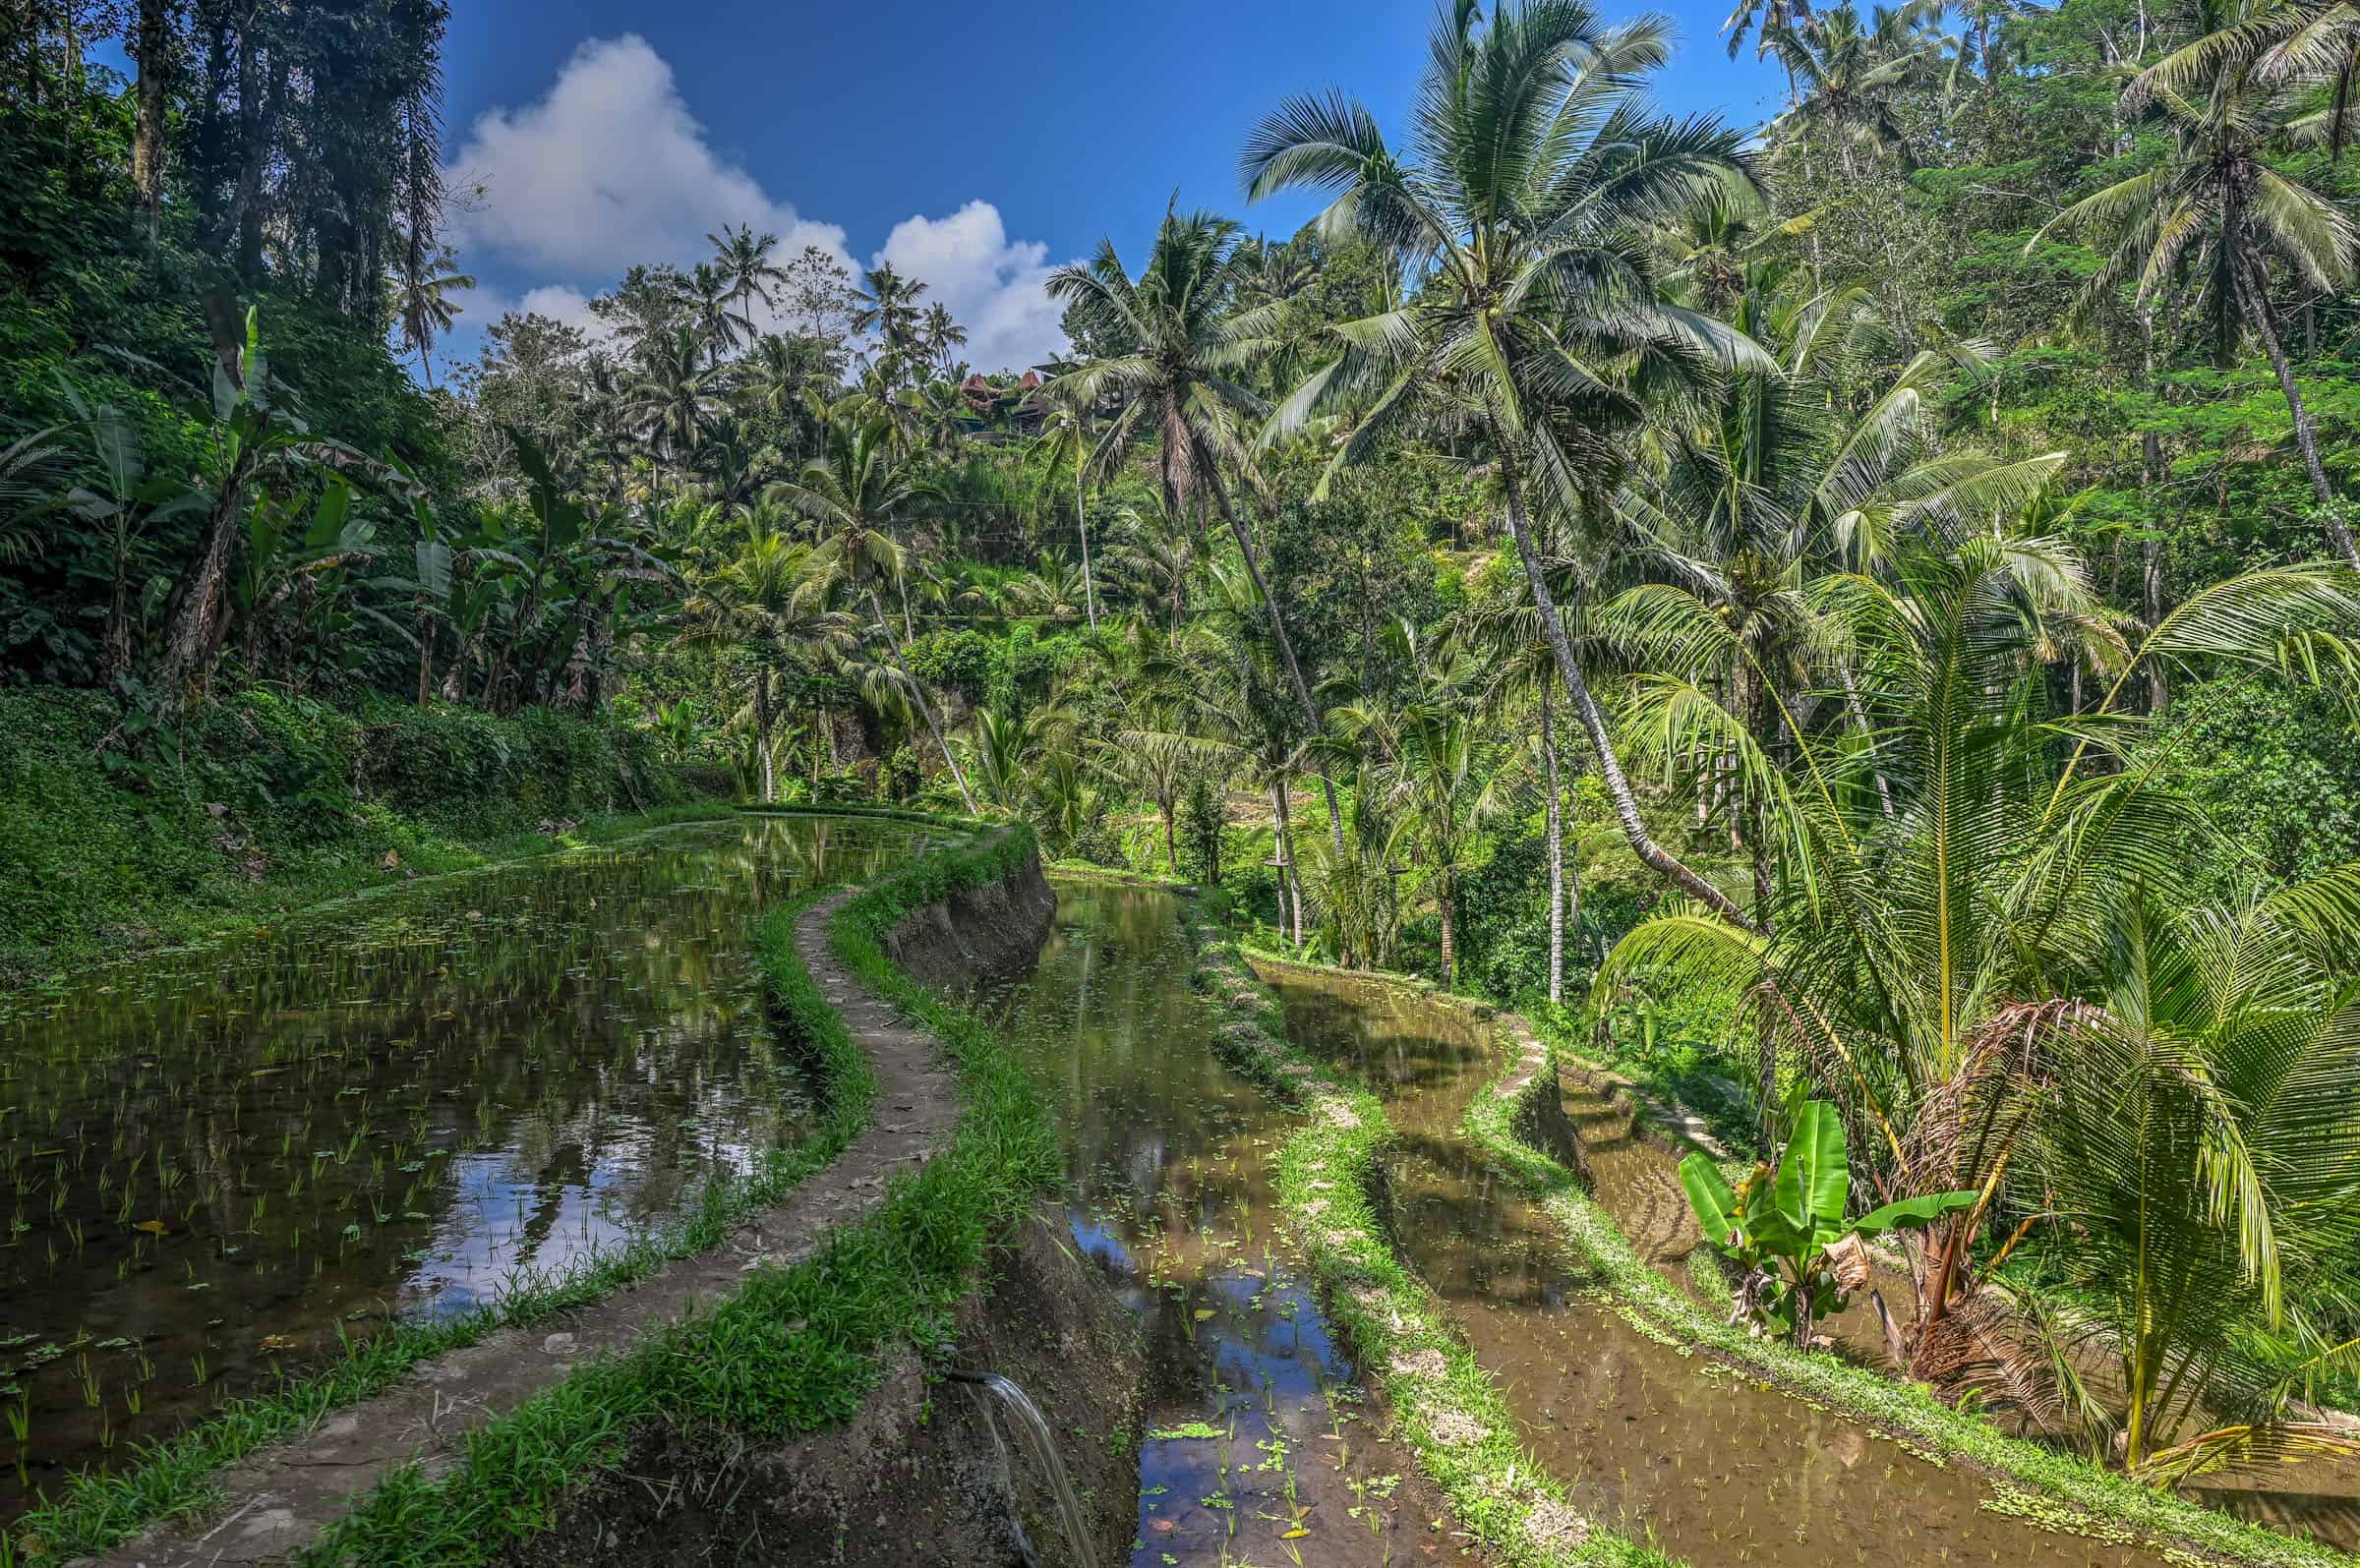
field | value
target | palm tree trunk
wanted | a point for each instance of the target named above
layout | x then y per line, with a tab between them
1286	646
1089	591
764	767
1444	905
1283	851
1556	851
2257	312
917	694
1585	706
426	651
153	52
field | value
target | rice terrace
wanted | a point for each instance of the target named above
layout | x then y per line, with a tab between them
1312	786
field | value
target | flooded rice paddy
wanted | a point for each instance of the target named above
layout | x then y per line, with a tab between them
1672	1447
1256	1446
214	1164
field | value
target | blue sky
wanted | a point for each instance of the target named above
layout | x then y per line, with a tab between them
975	144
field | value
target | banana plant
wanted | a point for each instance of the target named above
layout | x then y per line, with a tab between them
1785	1226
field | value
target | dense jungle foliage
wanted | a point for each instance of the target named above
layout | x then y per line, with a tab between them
1857	611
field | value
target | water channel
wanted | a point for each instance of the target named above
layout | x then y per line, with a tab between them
1255	1444
217	1162
1711	1464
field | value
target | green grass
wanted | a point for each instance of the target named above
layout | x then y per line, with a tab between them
798	1349
267	803
180	1474
2054	1488
1446	1404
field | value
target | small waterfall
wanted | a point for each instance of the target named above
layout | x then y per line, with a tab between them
1032	1429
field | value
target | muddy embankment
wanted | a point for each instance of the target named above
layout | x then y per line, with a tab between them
925	1474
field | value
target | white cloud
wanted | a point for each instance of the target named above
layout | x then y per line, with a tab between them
611	168
994	285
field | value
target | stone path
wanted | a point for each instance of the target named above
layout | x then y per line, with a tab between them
278	1499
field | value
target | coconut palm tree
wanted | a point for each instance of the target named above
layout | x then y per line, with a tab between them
888	307
419	299
1066	444
854	491
1914	930
2198	1131
1847	76
1155	556
940	333
742	258
2221	209
765	605
1174	353
676	398
1532	166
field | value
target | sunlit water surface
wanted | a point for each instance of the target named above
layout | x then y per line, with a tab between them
214	1163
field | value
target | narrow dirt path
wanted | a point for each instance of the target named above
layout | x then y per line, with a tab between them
278	1499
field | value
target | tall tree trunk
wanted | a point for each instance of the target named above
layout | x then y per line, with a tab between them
423	617
2256	310
198	612
1557	850
152	50
1284	849
2150	549
764	717
1286	646
1444	905
259	104
1089	591
1585	706
1171	848
917	694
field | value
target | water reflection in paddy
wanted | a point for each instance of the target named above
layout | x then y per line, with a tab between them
216	1162
1257	1447
1712	1466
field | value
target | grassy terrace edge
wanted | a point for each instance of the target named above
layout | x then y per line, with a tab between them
797	1349
179	1475
2054	1489
1445	1402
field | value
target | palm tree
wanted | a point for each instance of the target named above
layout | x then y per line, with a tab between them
420	302
676	398
1065	440
1157	555
2199	1137
940	333
1914	931
1847	76
742	258
2217	208
853	491
888	307
1174	352
709	294
1534	167
764	604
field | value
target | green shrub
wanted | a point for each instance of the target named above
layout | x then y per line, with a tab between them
266	800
